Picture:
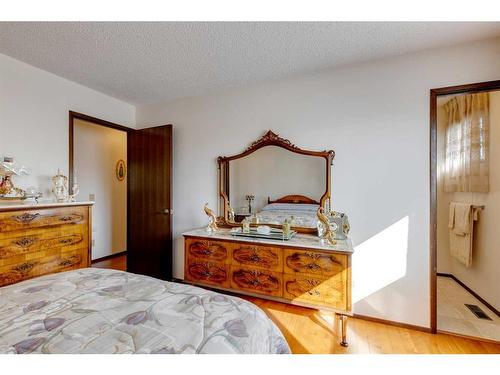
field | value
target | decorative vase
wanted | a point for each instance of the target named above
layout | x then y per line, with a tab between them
60	187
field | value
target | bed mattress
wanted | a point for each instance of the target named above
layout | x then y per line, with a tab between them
107	311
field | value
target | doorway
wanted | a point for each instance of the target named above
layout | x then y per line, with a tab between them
99	170
465	209
98	165
128	173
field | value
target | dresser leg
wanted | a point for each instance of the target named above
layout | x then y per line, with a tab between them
343	322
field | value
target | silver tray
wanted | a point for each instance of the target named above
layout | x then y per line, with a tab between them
276	234
20	197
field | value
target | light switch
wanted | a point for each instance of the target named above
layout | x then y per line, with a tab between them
92	197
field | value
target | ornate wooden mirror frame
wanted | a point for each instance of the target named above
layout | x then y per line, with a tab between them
272	139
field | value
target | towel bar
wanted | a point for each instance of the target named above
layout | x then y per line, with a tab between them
482	207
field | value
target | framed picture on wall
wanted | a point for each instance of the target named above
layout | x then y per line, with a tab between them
121	170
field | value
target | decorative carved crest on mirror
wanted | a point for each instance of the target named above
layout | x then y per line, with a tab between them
273	139
323	171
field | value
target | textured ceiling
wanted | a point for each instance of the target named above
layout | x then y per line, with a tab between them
141	62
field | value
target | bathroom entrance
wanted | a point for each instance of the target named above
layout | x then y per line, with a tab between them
465	210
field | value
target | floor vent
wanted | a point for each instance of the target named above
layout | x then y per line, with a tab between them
478	312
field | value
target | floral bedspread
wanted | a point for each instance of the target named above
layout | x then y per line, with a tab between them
107	311
302	219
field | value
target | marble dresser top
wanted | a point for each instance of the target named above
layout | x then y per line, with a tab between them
299	240
29	204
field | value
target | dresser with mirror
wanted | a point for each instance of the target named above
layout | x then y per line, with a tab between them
270	183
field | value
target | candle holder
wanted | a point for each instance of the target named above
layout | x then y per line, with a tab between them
249	198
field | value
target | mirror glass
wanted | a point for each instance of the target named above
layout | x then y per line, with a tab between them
274	184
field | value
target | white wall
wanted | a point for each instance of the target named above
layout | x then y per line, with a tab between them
34	107
275	172
376	117
483	276
97	149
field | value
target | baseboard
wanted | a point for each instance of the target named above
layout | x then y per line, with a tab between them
107	257
392	323
482	300
475	338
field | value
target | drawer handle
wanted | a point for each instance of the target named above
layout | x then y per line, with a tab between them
66	218
314	256
313	266
255	258
24	267
70	261
314	293
66	240
24	242
25	218
206	252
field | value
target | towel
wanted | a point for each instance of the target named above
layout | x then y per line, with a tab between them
461	223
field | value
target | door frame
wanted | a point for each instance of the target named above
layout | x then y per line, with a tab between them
434	93
96	121
80	116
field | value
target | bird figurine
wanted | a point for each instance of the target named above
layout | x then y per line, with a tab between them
212	219
325	223
230	212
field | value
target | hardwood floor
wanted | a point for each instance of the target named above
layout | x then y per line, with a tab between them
312	331
117	263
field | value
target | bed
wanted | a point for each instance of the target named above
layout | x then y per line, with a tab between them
303	210
95	310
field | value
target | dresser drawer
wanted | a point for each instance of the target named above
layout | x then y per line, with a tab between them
258	256
329	292
257	280
43	218
44	264
314	262
34	240
216	251
206	272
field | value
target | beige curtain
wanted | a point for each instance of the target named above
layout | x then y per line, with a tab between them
467	143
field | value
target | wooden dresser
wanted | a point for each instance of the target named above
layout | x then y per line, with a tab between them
301	271
46	238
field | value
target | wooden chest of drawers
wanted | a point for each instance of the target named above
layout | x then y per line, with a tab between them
35	241
292	272
307	277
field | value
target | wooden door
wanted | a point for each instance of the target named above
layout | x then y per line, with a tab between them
149	250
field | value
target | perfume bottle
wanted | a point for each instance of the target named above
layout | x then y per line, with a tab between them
255	219
286	228
292	221
246	225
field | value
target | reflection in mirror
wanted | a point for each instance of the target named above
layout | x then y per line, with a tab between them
257	183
